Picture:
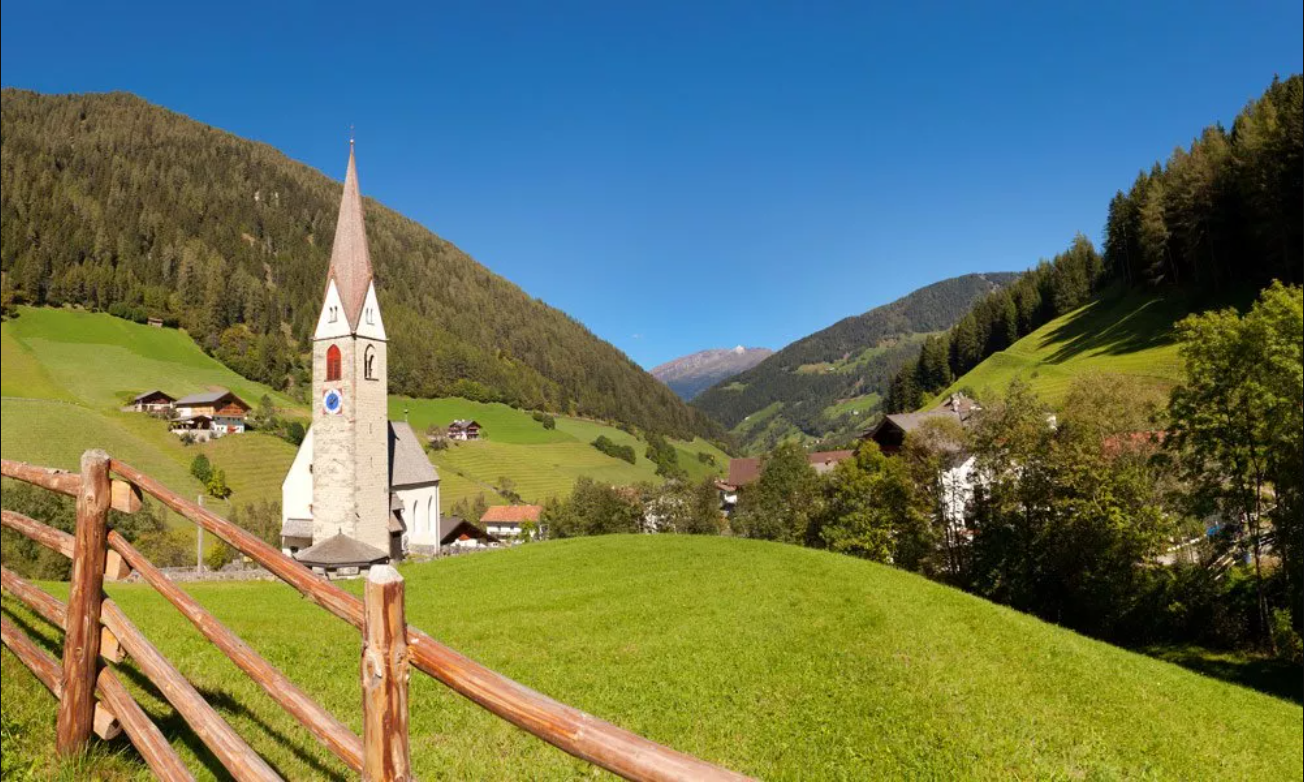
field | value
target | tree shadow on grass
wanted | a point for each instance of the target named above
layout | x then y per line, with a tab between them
1267	675
1116	326
169	721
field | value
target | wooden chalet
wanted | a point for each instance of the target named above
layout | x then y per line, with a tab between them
226	410
462	429
155	401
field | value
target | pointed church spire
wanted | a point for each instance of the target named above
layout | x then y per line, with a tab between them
350	259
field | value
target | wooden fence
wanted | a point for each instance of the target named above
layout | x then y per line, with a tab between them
93	700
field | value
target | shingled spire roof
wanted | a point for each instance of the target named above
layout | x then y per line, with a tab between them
350	259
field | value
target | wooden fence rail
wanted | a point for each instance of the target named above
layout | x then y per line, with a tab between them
390	650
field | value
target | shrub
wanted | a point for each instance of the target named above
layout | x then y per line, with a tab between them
611	448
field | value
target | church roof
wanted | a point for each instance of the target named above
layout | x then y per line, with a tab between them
350	258
408	465
340	550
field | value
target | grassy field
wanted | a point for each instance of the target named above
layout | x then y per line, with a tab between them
777	661
66	373
1130	334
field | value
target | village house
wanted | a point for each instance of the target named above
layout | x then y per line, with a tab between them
746	470
224	410
462	429
361	490
507	522
155	401
957	479
456	532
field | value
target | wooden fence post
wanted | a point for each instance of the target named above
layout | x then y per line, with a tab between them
384	679
81	641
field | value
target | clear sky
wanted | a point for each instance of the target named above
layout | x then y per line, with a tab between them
683	176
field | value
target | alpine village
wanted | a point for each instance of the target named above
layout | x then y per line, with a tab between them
294	488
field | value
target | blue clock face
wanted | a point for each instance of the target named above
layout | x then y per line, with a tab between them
332	401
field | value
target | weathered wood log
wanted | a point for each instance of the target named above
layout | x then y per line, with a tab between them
81	641
236	756
124	496
60	481
385	679
142	732
571	730
114	568
332	733
51	538
53	611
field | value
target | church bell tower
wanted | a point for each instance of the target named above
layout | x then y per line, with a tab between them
350	423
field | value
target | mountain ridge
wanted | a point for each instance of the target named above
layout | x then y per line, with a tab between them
117	204
825	385
692	374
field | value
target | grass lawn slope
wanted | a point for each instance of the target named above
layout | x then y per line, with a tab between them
778	661
1130	334
66	373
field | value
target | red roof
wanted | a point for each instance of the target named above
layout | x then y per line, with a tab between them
512	514
744	471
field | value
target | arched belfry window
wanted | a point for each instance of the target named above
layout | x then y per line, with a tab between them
333	362
369	363
333	314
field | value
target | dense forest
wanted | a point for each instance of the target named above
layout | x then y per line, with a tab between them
115	204
1227	211
881	336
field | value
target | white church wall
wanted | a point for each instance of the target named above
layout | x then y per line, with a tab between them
296	489
421	513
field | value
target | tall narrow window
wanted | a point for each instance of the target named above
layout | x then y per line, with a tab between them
332	314
369	362
371	320
333	363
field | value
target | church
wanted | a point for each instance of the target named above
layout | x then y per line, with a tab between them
361	490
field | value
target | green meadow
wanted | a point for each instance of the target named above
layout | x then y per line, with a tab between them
777	661
1130	334
66	373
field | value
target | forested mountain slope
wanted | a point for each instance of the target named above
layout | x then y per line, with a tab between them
813	385
1219	219
114	203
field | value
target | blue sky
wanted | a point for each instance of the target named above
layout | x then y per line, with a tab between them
683	176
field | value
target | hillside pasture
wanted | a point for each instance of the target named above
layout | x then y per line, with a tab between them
777	661
1131	334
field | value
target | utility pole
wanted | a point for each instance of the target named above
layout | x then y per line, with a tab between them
199	543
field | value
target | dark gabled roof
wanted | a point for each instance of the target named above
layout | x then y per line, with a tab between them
155	392
957	407
340	550
209	397
452	528
408	464
462	423
350	265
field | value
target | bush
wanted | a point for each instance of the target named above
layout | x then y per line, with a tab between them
611	448
548	421
200	467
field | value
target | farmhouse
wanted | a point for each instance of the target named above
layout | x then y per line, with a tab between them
457	532
226	410
508	521
462	429
957	480
745	471
360	490
153	402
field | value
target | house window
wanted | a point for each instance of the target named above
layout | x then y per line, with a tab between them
369	363
333	363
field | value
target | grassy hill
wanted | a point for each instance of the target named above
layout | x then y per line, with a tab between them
828	383
67	372
1127	333
777	661
110	201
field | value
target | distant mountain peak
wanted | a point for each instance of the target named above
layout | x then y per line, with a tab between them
690	375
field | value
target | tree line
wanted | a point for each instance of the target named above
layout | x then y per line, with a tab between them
1128	516
117	205
1225	211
